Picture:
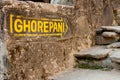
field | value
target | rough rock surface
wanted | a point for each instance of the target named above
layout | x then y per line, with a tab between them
100	40
36	60
98	52
110	34
114	45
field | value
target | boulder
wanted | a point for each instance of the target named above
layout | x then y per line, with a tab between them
112	28
100	40
97	52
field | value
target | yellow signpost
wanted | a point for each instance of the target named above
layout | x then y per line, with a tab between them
26	26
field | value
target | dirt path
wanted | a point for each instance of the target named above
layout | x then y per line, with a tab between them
85	74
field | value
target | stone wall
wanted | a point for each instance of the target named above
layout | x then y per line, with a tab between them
37	58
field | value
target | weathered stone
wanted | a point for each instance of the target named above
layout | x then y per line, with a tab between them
110	34
97	52
114	45
112	28
115	56
100	40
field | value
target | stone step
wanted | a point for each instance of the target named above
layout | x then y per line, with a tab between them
86	74
107	35
100	40
94	58
115	58
98	57
111	28
96	52
110	34
114	45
